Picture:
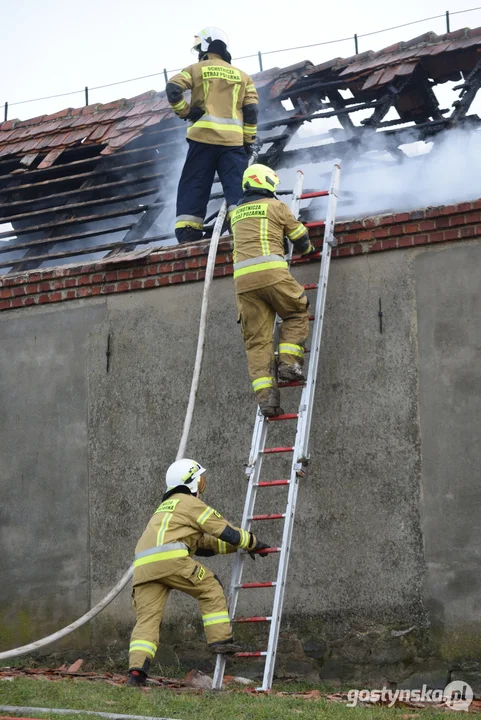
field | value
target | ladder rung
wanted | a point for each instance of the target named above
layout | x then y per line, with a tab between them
249	586
250	654
267	550
256	618
320	193
271	516
293	383
312	286
270	483
287	416
315	223
270	451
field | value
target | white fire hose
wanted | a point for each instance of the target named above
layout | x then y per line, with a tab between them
209	273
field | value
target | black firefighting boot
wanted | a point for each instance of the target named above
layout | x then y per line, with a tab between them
225	647
138	676
269	402
188	235
291	373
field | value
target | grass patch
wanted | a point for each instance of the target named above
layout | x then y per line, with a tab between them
157	702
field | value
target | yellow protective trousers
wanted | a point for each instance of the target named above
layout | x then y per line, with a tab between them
257	310
149	603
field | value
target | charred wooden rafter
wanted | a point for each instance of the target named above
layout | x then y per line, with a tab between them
106	247
65	238
468	92
104	197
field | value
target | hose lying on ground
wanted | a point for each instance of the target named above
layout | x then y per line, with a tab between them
209	273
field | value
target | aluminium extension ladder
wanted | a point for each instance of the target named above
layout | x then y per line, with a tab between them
300	456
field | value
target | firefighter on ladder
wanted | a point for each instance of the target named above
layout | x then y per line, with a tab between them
182	526
223	125
264	286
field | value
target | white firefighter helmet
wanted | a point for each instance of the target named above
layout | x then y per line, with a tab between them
185	472
207	35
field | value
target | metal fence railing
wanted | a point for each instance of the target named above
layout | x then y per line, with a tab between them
259	55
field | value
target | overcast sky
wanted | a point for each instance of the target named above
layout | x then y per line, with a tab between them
56	46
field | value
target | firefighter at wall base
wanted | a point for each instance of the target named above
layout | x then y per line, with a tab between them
222	130
264	286
182	526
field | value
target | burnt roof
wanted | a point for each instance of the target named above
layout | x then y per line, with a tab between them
96	179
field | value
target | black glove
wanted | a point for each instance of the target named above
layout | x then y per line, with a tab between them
258	547
249	148
311	252
195	113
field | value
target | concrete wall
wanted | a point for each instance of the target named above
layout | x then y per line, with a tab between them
448	288
44	465
386	557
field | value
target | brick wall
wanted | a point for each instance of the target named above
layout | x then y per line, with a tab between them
186	264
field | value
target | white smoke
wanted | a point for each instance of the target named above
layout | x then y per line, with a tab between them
440	172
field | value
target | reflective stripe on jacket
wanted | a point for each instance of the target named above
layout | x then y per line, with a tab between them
259	227
226	94
180	526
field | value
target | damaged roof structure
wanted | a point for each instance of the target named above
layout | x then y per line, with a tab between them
95	180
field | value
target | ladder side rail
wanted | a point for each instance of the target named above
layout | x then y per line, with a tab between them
302	438
258	444
307	402
281	576
219	672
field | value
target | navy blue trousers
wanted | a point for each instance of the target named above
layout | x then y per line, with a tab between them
195	184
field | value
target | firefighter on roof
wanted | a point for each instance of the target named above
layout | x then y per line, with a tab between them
182	526
264	286
223	125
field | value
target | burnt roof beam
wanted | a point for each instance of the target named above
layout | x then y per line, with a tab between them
432	102
346	122
301	89
272	155
105	198
73	221
141	228
385	103
145	192
317	115
468	92
38	259
97	159
79	176
62	238
29	260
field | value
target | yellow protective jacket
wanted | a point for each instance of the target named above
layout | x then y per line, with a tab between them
259	225
227	96
182	526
